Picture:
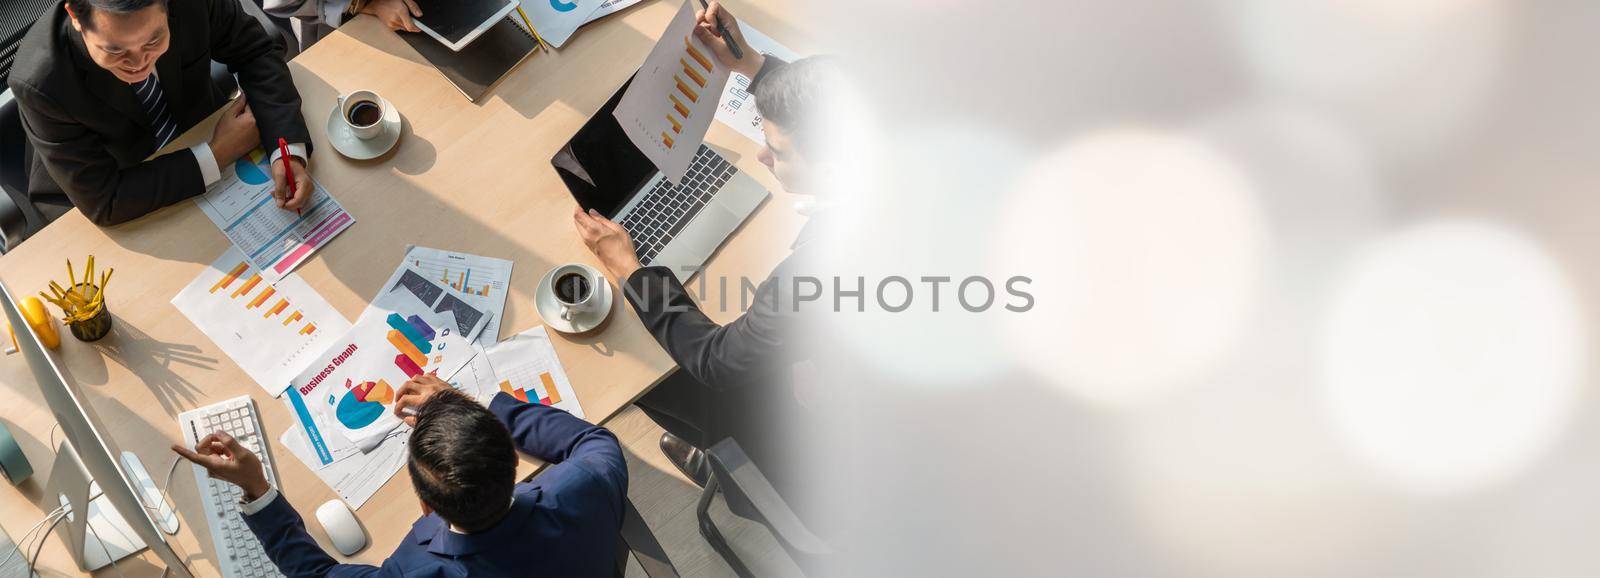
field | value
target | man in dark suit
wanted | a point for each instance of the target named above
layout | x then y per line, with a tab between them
735	380
477	521
103	84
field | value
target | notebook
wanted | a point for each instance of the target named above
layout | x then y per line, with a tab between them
479	66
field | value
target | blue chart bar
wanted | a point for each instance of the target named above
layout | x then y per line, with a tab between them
312	433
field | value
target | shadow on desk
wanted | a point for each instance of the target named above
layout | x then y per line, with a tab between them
150	361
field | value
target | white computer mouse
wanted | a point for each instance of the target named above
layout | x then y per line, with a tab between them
342	527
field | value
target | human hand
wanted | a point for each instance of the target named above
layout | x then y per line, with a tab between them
608	241
225	459
235	134
302	185
414	393
705	28
396	14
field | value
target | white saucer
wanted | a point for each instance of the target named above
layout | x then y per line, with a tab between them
344	139
544	300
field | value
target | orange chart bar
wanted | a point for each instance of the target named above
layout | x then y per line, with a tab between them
399	341
518	393
699	79
308	329
276	309
246	287
666	140
696	55
677	127
262	298
684	88
550	388
678	104
293	317
230	277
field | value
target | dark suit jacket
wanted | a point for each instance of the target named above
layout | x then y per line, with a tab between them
565	522
91	136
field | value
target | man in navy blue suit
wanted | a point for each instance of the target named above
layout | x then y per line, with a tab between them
477	521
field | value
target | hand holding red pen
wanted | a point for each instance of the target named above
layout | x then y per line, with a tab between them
292	180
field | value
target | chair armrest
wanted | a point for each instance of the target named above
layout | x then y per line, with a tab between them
13	224
730	463
643	544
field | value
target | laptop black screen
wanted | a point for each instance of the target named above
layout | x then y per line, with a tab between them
600	165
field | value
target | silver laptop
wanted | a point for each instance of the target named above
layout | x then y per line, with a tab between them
675	225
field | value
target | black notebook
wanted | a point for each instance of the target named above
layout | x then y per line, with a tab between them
477	67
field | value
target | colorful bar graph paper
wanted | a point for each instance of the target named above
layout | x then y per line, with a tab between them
277	308
516	392
678	105
293	317
684	88
551	396
677	127
402	344
308	329
666	140
405	364
230	277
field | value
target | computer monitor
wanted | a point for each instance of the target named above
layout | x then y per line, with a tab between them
86	435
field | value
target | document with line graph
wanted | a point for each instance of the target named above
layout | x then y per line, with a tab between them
673	99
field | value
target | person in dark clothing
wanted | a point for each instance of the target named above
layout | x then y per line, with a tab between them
734	380
104	84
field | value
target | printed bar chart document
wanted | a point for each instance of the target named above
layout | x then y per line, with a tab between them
271	330
481	282
274	240
526	367
672	100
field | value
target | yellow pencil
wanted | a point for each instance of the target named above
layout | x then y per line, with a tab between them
535	31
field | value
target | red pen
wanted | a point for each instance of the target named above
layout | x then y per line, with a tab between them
288	169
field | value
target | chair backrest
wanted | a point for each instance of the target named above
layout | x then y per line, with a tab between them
16	16
637	539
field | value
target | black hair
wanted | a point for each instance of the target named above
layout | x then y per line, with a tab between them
794	94
462	464
84	9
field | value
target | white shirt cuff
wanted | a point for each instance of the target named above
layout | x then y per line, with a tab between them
209	171
250	508
296	150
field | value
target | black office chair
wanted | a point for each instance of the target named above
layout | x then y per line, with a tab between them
750	495
638	540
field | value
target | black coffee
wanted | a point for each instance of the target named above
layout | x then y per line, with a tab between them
365	113
572	288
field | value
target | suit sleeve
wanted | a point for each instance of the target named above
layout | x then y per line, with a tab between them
720	356
558	437
239	41
283	535
76	159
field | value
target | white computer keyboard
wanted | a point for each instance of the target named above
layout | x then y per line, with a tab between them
238	552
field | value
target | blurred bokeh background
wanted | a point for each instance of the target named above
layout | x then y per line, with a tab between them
1314	280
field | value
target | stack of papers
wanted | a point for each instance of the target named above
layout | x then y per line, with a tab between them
482	282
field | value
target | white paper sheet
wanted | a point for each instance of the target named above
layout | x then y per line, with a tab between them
608	8
272	330
738	106
556	20
482	282
350	388
526	367
669	106
275	240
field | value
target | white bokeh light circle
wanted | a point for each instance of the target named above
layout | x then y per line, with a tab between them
1452	356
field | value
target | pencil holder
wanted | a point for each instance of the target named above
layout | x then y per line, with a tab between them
95	326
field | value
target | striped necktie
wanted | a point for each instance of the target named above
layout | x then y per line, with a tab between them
155	106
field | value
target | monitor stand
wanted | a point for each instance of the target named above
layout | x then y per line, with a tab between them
101	537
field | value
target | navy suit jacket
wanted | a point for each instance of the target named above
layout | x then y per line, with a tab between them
565	522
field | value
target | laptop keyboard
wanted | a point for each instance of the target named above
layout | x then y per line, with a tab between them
667	208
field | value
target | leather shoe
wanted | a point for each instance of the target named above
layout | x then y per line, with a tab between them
689	459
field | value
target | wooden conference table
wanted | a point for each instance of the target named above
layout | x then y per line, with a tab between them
467	177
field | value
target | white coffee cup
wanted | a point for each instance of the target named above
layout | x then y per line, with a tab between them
567	293
349	102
